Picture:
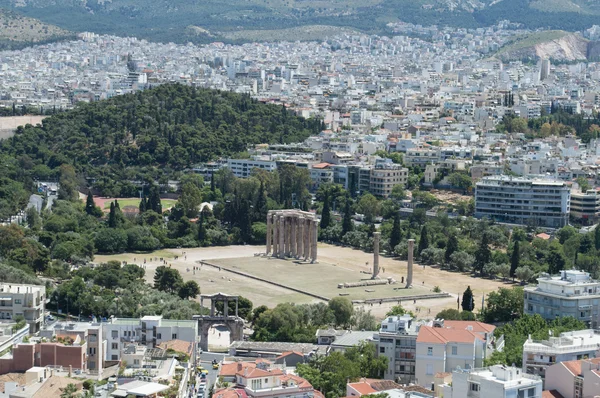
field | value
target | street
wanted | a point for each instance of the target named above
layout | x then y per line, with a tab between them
205	360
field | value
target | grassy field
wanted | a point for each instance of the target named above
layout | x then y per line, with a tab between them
320	278
166	203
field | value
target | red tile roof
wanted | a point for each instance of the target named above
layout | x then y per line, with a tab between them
432	335
477	327
363	388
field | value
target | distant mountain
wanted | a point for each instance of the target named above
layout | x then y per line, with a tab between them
18	31
210	20
556	45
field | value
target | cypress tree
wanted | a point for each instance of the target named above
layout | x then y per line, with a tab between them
396	235
89	203
347	224
325	214
468	304
483	253
451	247
261	203
201	229
142	206
112	219
597	237
514	259
212	182
423	240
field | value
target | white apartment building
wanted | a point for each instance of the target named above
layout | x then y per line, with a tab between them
421	157
585	206
449	345
28	301
385	176
397	340
572	293
574	379
149	331
569	346
242	168
498	381
534	202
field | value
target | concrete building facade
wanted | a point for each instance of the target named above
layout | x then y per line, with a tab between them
397	340
28	301
572	293
542	203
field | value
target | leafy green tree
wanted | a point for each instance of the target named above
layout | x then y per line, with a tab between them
515	259
201	229
398	193
369	206
190	199
112	216
68	183
503	305
153	202
524	273
370	364
398	310
583	183
189	289
423	241
325	214
461	261
460	180
597	238
556	258
364	320
468	303
342	310
142	207
483	254
451	247
167	279
110	240
244	308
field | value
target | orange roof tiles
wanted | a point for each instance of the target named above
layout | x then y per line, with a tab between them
432	335
363	388
551	394
477	327
230	369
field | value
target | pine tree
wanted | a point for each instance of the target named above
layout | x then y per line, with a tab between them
514	259
90	207
483	254
112	219
347	223
423	241
468	304
201	229
396	235
451	247
326	213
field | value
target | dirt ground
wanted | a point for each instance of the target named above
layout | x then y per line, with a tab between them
449	196
211	280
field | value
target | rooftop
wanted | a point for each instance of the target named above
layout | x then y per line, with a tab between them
353	338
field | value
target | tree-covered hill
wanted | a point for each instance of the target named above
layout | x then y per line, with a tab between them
162	130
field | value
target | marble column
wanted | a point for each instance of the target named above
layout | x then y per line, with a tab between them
293	222
313	243
306	239
269	233
275	235
281	232
376	237
300	238
409	274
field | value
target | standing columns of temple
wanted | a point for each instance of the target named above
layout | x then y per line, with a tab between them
292	234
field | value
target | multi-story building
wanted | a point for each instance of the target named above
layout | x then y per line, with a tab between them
26	300
449	345
78	345
574	379
498	381
585	207
572	293
242	168
569	346
421	157
385	175
397	340
149	331
543	203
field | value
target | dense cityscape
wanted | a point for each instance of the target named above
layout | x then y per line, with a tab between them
401	216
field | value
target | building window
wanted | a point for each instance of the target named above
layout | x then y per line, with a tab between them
174	336
473	387
382	350
92	365
136	361
429	370
430	351
114	346
159	336
17	301
266	381
114	334
114	357
454	350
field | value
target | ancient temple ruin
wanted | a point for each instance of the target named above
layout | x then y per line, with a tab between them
292	234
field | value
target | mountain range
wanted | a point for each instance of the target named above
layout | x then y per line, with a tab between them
201	21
